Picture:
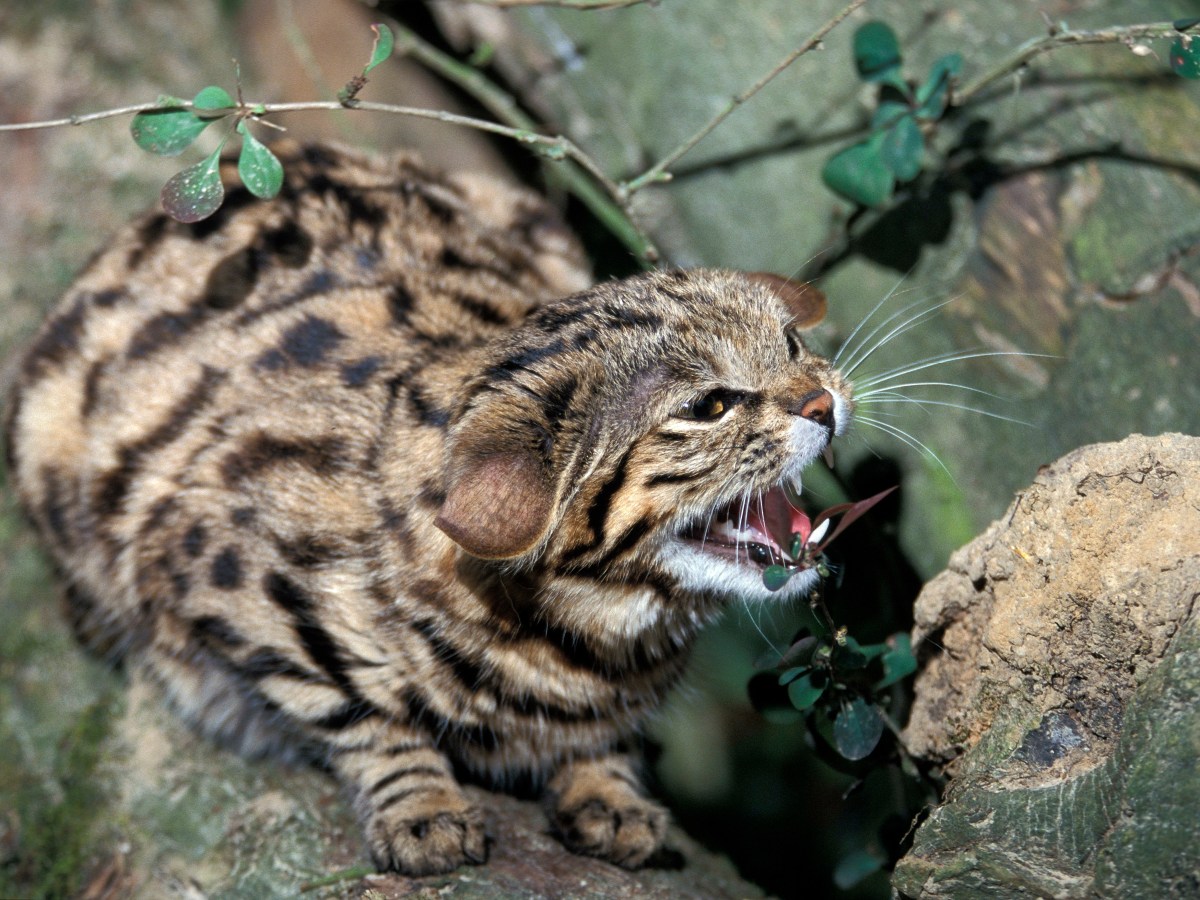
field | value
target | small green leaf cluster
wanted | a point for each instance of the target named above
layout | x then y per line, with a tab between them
836	684
196	192
893	153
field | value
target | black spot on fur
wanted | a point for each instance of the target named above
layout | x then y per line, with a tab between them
226	572
358	373
243	515
91	387
109	298
54	507
308	342
400	303
149	233
232	280
194	540
289	243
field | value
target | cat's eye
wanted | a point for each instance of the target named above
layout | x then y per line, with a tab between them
708	408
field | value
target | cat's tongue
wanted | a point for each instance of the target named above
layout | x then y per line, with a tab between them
778	519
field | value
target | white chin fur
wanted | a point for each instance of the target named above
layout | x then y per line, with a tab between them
703	573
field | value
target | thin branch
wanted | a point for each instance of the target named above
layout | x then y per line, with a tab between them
565	4
83	119
658	172
1035	47
608	202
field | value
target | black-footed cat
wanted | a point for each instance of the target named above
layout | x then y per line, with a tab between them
344	474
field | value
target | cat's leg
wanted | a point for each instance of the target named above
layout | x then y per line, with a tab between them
599	808
416	817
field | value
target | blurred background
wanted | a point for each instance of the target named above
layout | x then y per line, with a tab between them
1057	211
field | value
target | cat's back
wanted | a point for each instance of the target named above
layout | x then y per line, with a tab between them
188	357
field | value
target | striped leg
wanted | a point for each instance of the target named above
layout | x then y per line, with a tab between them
599	808
416	817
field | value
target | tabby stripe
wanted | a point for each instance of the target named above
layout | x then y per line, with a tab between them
164	330
320	646
422	716
323	455
425	410
208	629
59	338
481	310
115	483
268	663
468	672
523	360
633	534
388	780
681	477
404	795
350	713
54	506
318	283
597	513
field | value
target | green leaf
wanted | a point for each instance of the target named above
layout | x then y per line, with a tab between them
876	52
775	577
213	97
849	656
382	48
166	132
903	149
790	675
260	170
854	868
1185	24
196	192
807	689
859	174
857	729
935	91
1185	57
898	662
888	113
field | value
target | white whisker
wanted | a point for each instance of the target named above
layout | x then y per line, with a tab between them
945	360
906	325
907	438
865	319
966	408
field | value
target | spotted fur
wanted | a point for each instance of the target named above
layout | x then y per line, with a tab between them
345	477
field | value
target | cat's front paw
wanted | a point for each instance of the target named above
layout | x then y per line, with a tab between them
598	809
428	834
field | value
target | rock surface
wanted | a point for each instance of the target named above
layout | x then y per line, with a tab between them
1062	687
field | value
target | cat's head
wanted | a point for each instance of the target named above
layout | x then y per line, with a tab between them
648	430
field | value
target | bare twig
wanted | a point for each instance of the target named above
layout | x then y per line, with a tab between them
82	119
565	4
608	202
658	172
1056	38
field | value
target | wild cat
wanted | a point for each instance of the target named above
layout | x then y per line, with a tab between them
373	473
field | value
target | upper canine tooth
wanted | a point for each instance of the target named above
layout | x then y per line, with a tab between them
827	454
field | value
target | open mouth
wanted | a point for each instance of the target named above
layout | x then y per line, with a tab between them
756	529
769	531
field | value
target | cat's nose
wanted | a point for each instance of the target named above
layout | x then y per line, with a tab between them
816	406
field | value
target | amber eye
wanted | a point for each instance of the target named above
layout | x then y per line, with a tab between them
708	408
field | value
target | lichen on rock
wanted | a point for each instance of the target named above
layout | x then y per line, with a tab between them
1060	687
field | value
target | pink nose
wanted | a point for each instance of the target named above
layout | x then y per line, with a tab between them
816	406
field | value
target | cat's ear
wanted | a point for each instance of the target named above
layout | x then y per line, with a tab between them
804	301
498	503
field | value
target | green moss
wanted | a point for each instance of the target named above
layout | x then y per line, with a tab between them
54	816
